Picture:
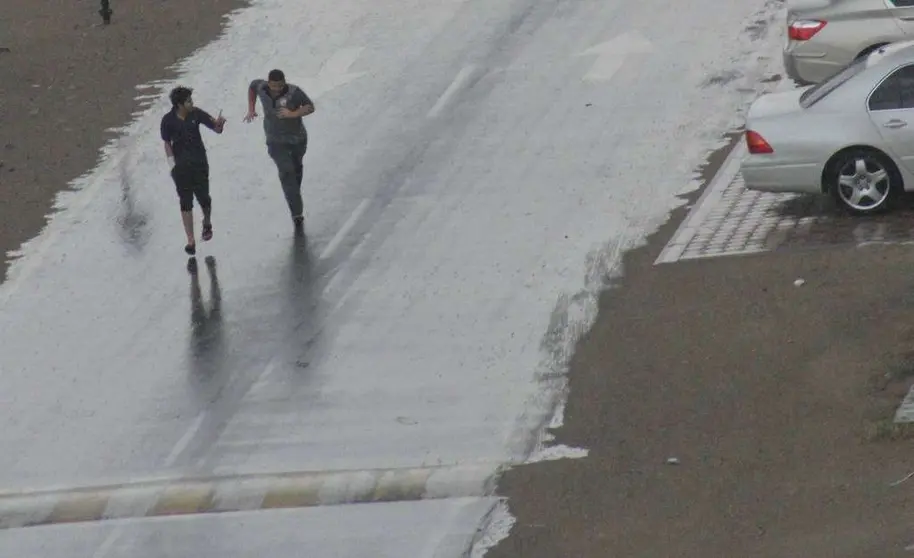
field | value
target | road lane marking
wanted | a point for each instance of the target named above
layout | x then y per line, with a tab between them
612	55
462	76
185	440
345	229
334	281
334	73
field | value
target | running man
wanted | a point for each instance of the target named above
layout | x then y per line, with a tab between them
180	130
284	106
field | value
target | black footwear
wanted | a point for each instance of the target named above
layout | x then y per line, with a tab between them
299	223
190	249
207	232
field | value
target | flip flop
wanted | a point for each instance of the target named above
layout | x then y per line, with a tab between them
207	232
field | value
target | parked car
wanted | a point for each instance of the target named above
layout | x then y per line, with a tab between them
826	35
851	136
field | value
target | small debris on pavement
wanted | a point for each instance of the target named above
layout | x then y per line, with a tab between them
672	461
904	480
799	282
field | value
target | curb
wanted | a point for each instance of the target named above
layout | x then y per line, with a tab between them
716	186
243	493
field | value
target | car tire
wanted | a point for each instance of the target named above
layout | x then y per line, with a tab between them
864	181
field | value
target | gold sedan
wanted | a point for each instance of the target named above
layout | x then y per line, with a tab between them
824	36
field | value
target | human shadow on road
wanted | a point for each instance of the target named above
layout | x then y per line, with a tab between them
207	339
132	219
302	301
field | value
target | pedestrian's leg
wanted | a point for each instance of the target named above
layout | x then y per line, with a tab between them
184	187
188	218
201	190
282	155
299	154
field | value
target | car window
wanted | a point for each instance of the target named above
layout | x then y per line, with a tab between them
819	91
895	92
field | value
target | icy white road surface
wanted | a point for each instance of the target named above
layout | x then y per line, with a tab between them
404	529
475	167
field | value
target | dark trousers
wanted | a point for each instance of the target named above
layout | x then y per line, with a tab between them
192	180
289	159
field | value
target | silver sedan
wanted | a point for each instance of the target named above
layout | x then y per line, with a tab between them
850	136
823	36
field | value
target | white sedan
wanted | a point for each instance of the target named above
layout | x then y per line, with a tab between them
850	136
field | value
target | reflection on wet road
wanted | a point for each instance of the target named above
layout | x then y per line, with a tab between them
207	341
467	192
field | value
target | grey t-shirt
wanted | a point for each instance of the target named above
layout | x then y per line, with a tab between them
281	130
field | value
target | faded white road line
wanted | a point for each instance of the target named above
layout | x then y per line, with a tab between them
459	80
185	440
344	230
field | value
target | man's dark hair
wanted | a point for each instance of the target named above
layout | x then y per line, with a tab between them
276	75
179	95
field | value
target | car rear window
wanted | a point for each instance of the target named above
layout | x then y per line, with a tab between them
819	91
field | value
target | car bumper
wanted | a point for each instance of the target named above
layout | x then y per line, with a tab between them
763	176
808	70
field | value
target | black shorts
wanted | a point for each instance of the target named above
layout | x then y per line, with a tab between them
192	180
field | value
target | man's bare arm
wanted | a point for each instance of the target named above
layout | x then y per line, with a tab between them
169	154
165	134
252	100
306	105
303	110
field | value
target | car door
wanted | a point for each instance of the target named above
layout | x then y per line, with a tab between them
891	108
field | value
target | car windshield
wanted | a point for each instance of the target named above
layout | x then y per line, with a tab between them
819	91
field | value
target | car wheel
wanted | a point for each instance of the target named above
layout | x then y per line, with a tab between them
864	181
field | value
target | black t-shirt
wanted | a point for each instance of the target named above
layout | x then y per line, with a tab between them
184	135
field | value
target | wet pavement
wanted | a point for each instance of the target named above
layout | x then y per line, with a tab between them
740	221
405	529
467	193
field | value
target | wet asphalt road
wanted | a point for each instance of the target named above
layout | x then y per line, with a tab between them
471	175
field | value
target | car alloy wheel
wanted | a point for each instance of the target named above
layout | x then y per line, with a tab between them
864	183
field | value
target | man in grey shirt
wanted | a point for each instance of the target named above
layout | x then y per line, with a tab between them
284	106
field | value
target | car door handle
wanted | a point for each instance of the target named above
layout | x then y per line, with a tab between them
895	123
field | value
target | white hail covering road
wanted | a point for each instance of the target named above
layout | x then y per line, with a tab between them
475	168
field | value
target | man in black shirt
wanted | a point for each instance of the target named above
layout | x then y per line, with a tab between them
180	130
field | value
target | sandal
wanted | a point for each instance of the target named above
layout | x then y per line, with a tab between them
207	231
191	249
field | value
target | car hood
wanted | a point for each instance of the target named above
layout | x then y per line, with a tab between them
776	104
